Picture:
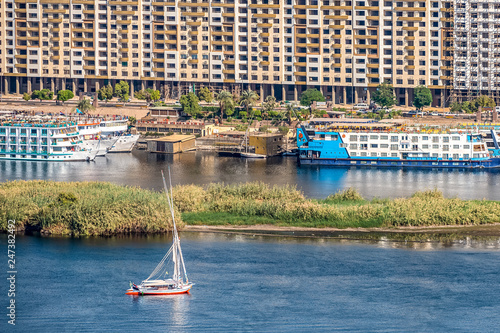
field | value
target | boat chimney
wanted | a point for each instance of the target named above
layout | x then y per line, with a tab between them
478	114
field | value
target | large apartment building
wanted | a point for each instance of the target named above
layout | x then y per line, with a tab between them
279	47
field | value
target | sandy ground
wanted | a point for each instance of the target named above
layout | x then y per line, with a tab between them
52	107
266	229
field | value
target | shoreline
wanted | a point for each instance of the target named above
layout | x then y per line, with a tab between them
490	230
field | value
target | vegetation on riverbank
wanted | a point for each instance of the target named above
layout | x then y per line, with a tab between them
82	208
92	208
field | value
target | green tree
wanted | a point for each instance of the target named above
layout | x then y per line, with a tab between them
311	95
190	105
248	99
455	107
122	90
423	97
105	93
85	105
269	104
205	95
384	95
26	97
466	107
483	101
64	95
44	94
149	95
226	102
290	110
132	120
154	94
381	114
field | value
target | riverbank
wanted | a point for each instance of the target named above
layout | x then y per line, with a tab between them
490	232
98	208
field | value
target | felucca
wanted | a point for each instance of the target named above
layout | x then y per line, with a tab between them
159	282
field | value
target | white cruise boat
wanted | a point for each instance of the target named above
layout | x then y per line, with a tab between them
54	141
113	133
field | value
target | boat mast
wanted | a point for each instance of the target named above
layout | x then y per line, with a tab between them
174	235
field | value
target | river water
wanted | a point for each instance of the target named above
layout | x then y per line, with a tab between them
251	283
254	283
142	169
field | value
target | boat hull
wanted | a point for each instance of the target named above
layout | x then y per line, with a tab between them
152	292
252	155
395	163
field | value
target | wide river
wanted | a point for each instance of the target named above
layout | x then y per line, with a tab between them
257	284
143	169
253	283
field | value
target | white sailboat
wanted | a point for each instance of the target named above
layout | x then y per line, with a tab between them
159	283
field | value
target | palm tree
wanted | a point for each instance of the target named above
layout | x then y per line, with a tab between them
289	111
224	98
248	99
85	106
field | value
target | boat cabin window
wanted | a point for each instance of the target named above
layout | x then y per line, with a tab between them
373	137
353	138
425	138
435	139
455	138
384	137
363	138
394	138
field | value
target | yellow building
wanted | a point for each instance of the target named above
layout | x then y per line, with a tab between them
275	47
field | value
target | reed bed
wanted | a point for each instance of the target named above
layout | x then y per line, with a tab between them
83	208
96	208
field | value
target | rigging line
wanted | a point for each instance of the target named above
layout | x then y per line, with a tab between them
158	267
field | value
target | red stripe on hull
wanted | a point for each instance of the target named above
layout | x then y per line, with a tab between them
137	293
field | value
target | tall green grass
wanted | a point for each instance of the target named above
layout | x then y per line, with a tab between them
95	208
83	208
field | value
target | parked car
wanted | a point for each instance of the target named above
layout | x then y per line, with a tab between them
361	106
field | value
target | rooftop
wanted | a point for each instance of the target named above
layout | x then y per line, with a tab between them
174	138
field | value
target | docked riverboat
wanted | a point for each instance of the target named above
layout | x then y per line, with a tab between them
114	133
388	145
37	141
107	136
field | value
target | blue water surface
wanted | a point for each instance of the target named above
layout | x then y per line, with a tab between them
246	283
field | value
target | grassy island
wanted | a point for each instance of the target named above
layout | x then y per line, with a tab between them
98	208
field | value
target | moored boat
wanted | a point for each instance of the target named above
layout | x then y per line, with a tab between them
389	145
47	141
157	284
